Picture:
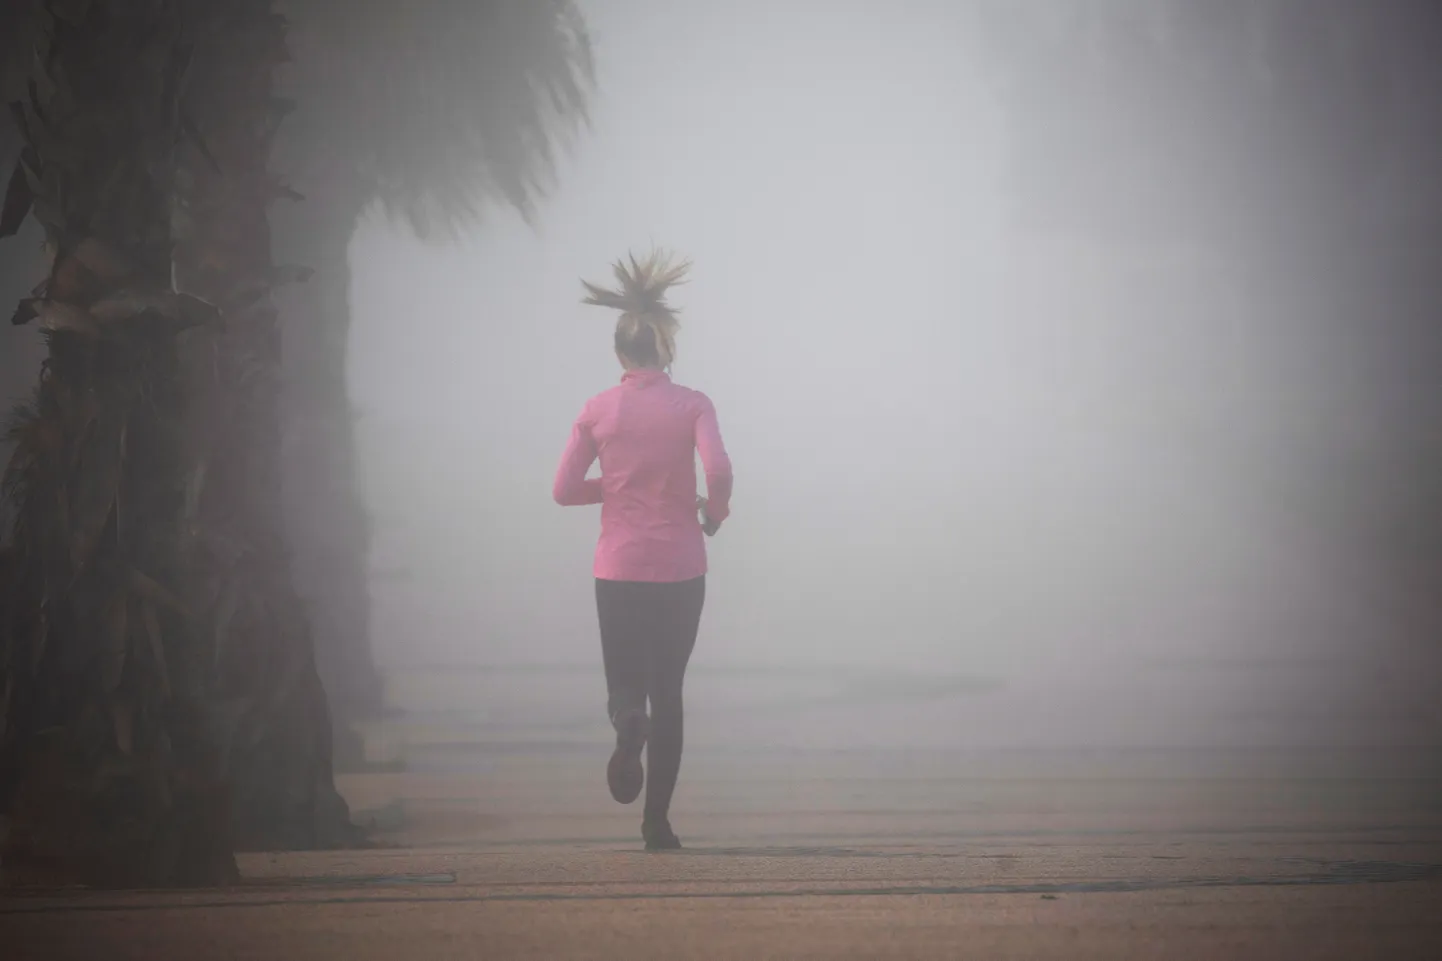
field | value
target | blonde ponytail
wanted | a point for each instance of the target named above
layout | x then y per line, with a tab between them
646	329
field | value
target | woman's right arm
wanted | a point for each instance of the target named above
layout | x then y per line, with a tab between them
572	488
714	461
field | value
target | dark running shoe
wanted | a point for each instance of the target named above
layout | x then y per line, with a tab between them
659	836
624	775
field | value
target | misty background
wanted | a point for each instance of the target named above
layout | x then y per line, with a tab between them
997	484
993	486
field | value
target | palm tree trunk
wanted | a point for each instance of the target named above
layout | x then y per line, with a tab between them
107	773
20	347
278	743
326	517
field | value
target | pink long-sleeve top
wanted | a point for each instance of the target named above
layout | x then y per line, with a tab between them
646	432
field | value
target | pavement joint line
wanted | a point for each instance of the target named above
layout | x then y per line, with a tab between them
1409	835
1413	873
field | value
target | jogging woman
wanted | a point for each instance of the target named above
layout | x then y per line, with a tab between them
650	565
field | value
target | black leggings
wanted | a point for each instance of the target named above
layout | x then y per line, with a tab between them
648	631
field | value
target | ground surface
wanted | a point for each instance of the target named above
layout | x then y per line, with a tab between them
522	856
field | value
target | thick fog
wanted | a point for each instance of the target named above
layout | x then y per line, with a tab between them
993	487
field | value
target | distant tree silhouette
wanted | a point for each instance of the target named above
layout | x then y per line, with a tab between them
1299	142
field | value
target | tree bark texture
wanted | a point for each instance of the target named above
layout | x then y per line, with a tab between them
274	719
107	773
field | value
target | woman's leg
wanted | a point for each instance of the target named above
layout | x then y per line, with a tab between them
621	609
625	645
678	617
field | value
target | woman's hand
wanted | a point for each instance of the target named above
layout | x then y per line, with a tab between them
708	527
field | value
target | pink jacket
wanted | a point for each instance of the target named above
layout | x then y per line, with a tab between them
646	432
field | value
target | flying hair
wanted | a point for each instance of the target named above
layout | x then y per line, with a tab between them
646	329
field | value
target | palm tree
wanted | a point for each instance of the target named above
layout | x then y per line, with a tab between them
273	725
107	768
198	444
251	713
21	261
20	347
434	110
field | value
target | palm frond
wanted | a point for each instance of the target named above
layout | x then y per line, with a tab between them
444	107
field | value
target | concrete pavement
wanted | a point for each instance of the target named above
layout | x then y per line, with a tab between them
830	858
1230	898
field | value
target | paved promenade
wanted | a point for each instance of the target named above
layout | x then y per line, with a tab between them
813	857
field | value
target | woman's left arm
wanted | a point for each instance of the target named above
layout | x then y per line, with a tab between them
572	489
